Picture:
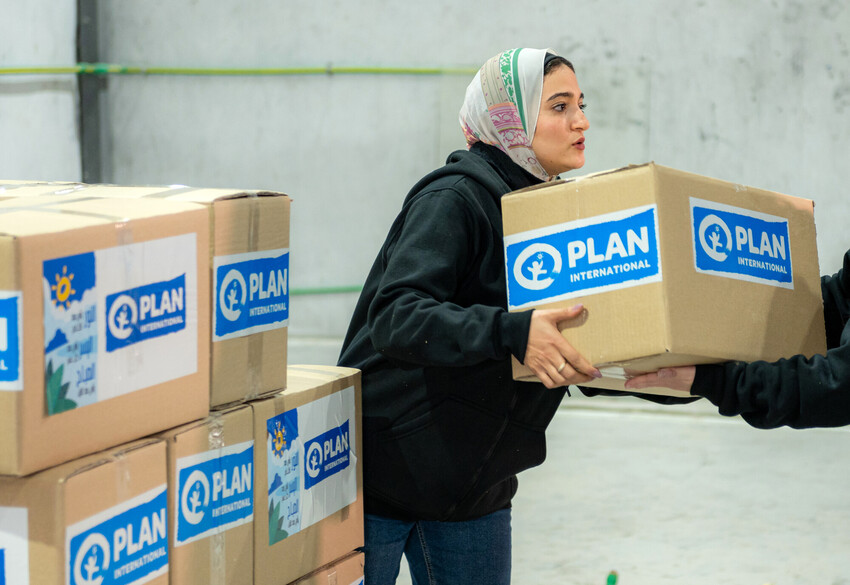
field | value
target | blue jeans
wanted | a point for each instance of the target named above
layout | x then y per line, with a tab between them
440	553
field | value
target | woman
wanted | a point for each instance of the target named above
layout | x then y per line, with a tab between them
446	429
798	392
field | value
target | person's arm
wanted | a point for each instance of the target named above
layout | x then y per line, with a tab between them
415	317
798	392
656	398
835	290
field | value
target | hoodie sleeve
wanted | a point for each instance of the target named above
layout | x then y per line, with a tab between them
798	392
415	317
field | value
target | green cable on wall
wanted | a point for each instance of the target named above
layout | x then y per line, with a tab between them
115	69
325	290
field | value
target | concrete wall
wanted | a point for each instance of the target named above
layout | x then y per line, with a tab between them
38	113
756	93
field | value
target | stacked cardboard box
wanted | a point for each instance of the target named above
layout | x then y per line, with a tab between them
309	474
345	571
103	327
249	276
98	519
198	505
128	312
673	269
211	503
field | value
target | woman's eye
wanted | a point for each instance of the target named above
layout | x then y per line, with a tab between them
582	107
560	107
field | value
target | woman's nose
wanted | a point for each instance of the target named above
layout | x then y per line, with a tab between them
580	122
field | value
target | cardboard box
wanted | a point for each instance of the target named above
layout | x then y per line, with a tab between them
249	261
103	324
101	518
211	508
346	571
309	473
673	269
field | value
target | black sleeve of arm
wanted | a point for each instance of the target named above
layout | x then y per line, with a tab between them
656	398
798	392
836	302
414	318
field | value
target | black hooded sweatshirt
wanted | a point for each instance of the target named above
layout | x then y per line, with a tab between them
446	428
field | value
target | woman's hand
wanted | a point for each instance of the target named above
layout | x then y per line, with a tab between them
680	378
552	359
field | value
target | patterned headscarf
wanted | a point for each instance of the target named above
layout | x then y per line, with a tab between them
502	104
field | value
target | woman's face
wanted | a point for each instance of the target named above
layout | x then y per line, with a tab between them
559	137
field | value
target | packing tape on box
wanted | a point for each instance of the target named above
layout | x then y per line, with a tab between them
254	366
171	191
218	561
123	233
255	341
12	186
49	207
122	476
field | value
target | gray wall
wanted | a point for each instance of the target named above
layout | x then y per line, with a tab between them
38	113
756	93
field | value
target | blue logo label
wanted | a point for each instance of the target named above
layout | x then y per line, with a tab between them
10	344
741	244
215	493
145	312
2	566
326	455
251	294
123	549
602	253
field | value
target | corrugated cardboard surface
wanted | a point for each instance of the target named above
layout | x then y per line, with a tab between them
689	317
225	557
243	367
31	233
338	533
346	571
252	365
62	496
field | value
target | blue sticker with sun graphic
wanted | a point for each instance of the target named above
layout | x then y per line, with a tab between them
284	475
70	332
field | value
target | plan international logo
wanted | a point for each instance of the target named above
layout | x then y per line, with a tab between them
738	243
597	254
251	293
145	312
327	454
215	492
121	546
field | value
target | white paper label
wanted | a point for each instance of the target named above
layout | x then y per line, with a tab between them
124	545
732	242
14	547
215	492
312	469
251	293
591	255
118	320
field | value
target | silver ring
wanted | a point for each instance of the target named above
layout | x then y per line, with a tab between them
562	366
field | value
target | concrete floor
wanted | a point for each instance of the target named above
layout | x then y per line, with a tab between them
680	495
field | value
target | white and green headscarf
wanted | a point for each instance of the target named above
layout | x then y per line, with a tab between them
502	103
